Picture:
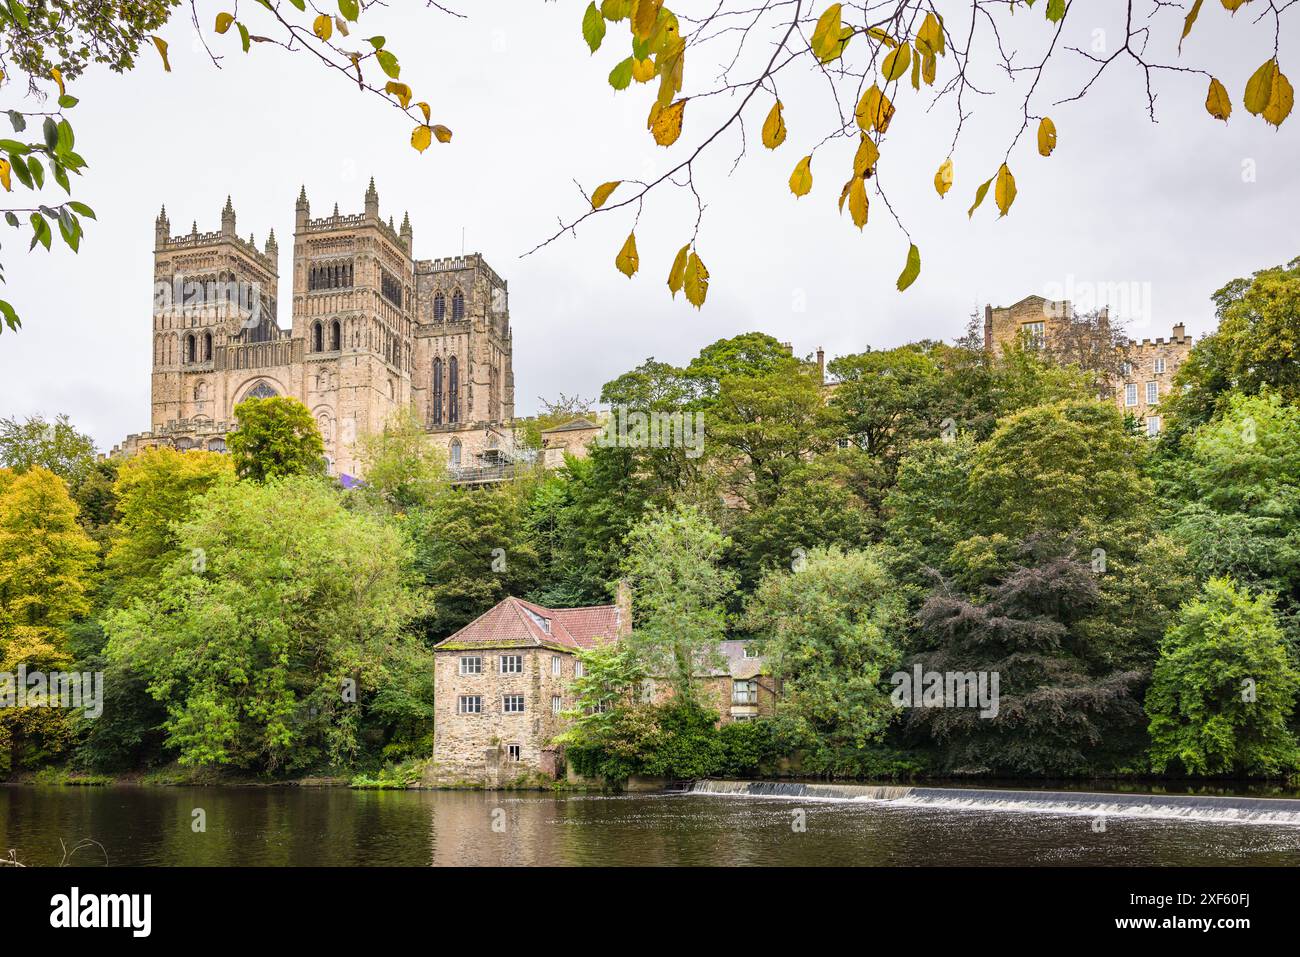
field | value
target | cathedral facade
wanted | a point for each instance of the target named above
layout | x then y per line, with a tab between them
372	330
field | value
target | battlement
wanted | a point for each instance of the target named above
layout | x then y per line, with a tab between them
459	263
197	240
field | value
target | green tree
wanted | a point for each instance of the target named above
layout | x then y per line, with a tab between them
403	468
276	437
56	446
1224	688
270	657
46	567
829	630
674	567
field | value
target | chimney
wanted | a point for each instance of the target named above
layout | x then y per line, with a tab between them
623	607
821	365
1180	331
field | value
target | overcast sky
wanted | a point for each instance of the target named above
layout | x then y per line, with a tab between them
1163	212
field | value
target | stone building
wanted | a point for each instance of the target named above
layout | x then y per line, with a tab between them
1139	373
372	330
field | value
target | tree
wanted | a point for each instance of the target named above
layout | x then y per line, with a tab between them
402	467
267	657
46	564
275	437
867	58
1224	688
674	567
829	630
56	446
157	490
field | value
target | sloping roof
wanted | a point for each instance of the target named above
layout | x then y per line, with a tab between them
574	426
513	622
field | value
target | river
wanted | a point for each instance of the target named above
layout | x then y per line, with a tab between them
338	827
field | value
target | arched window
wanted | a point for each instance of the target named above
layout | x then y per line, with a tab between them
336	336
457	306
207	347
437	392
189	347
439	306
453	391
217	445
454	453
317	338
262	390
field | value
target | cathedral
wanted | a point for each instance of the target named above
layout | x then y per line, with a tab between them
372	330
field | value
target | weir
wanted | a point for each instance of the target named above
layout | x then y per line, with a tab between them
1227	810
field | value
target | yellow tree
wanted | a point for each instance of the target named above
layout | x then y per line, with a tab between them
46	563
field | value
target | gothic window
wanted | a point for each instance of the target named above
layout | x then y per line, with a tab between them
457	306
439	307
390	288
189	348
336	336
437	392
317	338
453	391
261	391
455	453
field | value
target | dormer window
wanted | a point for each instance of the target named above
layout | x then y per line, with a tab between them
542	623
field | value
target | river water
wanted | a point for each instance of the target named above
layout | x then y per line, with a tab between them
337	826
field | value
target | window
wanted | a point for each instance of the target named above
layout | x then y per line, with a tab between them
453	390
207	347
439	306
557	704
744	692
579	669
1125	368
317	338
455	453
471	665
512	664
513	704
437	392
1130	393
189	348
1034	332
557	667
336	336
1158	366
646	691
1153	425
470	704
457	306
750	651
542	623
513	752
1153	393
600	707
390	288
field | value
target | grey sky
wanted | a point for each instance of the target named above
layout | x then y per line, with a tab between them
1164	206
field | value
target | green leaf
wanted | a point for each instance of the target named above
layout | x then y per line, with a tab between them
388	63
10	317
81	209
67	101
376	42
621	75
17	121
11	218
51	131
1055	10
41	232
13	146
593	27
350	9
911	270
300	4
243	36
37	171
20	170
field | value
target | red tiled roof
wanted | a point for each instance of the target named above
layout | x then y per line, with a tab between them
513	622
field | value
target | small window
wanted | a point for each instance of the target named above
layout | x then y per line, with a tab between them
1130	393
600	707
744	692
751	651
1035	333
1153	393
557	704
557	668
579	669
513	704
471	665
1159	366
512	664
1153	425
470	704
1125	368
513	752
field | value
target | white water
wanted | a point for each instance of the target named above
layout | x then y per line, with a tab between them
1225	810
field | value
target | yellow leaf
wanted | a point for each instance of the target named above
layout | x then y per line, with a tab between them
224	20
161	44
1187	23
874	110
801	178
627	260
4	175
323	26
774	127
911	269
422	137
896	63
1217	102
643	71
696	281
58	78
399	90
1259	88
929	39
667	124
878	34
928	67
1046	136
979	197
1233	5
866	157
1281	100
645	13
943	178
916	72
858	201
1004	193
441	133
602	193
677	275
844	194
424	108
826	34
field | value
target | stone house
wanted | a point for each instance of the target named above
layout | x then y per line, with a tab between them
735	688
